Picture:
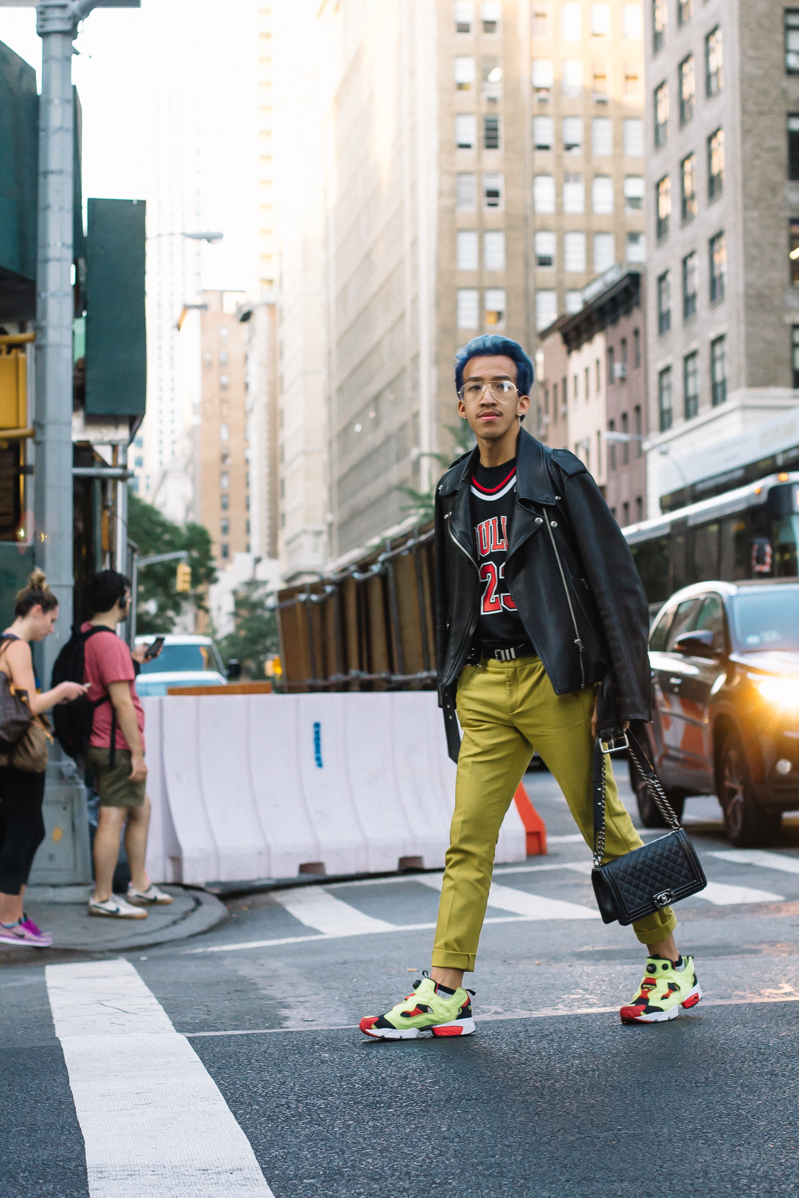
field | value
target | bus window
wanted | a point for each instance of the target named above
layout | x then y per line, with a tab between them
733	563
652	560
786	529
678	547
705	552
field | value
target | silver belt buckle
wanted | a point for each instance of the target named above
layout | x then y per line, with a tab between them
505	654
616	745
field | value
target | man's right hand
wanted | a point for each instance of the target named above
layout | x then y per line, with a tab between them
138	770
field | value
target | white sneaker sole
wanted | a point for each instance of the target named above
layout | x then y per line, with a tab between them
689	1001
116	914
458	1027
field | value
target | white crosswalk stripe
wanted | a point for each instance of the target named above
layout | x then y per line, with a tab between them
723	895
314	907
153	1120
766	860
521	902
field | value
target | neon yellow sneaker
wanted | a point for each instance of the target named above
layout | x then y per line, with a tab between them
663	992
428	1009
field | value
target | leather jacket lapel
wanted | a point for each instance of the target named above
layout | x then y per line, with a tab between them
460	514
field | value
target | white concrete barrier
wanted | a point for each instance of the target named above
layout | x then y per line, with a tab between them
258	786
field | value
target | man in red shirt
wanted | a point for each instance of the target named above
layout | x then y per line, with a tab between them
115	756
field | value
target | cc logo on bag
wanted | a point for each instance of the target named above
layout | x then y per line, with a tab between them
663	899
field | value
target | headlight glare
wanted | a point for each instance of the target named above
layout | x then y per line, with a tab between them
782	692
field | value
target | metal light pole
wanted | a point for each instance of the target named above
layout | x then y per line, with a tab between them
57	25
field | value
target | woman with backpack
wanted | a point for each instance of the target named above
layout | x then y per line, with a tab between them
21	784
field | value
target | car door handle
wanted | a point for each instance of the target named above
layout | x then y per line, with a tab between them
675	681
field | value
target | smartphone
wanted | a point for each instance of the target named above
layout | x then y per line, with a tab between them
154	649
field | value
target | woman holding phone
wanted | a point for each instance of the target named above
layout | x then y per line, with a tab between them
22	792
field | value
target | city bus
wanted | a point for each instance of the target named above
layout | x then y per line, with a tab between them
751	532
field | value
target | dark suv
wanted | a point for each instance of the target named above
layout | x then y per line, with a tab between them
725	678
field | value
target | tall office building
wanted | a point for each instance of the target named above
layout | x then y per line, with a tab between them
723	225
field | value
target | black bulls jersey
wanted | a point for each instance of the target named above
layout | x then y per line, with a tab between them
493	501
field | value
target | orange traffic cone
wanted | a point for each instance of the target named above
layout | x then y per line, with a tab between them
533	824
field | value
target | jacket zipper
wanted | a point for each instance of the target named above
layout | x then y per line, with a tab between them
577	640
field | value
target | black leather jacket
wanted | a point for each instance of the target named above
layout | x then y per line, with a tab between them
570	574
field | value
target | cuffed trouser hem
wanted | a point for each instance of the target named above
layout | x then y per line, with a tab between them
464	961
655	927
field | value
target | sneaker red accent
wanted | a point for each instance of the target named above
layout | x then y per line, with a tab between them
447	1031
691	1000
368	1022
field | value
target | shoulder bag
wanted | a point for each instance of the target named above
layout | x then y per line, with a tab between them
659	873
15	714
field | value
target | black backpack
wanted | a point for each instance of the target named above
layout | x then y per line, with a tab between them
72	722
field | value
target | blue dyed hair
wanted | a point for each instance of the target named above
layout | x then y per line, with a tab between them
489	345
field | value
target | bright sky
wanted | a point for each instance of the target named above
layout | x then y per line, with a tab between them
201	51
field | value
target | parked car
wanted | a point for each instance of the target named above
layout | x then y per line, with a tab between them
184	661
725	674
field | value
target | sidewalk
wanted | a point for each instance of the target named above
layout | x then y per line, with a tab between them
61	911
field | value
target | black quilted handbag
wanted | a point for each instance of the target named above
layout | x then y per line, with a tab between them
652	877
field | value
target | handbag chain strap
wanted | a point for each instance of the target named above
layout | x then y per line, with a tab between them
651	781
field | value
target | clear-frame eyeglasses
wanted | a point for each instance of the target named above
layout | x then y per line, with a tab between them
473	391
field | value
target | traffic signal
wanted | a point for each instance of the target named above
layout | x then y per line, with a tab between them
183	581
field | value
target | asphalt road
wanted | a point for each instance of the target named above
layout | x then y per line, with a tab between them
552	1097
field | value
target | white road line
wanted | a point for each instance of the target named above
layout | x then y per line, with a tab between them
722	895
533	906
314	907
576	838
579	867
787	865
153	1120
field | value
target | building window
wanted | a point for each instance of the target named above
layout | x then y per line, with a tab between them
465	73
555	403
574	303
468	308
572	78
634	193
466	249
573	135
600	20
224	480
544	193
602	194
223	381
543	78
690	283
690	384
224	432
664	399
636	248
573	194
494	192
687	89
604	251
792	41
625	513
602	137
795	355
714	66
491	14
715	164
543	133
632	25
546	308
688	200
587	384
637	350
718	370
685	10
793	146
664	302
793	255
466	192
600	83
611	364
223	357
639	508
494	307
659	22
611	446
631	80
225	528
542	27
464	16
571	22
625	445
224	502
663	207
466	131
494	250
490	132
225	551
661	114
574	252
718	267
545	243
639	440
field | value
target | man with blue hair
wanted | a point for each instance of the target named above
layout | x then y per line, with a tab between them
541	642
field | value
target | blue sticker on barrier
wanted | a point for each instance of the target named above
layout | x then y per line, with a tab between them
317	745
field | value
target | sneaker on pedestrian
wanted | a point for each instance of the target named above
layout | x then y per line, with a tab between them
667	988
24	933
151	897
431	1008
115	907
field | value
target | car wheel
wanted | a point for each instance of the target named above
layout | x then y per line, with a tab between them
746	824
647	807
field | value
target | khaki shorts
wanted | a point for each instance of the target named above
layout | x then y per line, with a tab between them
114	785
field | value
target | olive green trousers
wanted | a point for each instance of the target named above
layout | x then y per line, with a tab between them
506	709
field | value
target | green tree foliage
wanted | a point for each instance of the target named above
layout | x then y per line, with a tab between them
153	533
255	636
422	503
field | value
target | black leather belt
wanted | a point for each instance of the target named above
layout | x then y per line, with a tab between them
510	654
